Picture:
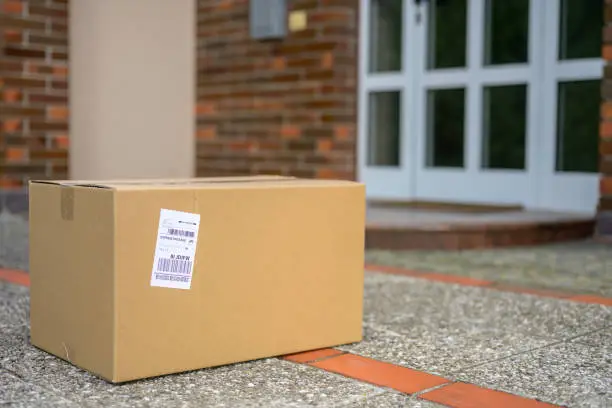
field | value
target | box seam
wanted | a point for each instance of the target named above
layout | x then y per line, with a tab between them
115	357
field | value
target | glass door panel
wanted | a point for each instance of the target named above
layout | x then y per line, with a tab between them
504	117
447	34
580	25
578	126
506	32
384	131
445	128
477	101
385	22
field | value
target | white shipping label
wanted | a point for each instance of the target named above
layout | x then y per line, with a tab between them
177	239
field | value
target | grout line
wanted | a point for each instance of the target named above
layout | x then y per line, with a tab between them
473	282
518	353
419	393
327	358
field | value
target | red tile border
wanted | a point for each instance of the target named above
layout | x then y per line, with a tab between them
460	280
379	373
463	395
314	355
15	276
600	300
410	381
467	281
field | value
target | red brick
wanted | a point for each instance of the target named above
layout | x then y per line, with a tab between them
605	129
61	141
343	132
12	37
605	185
11	7
606	110
205	108
324	145
60	71
290	132
279	63
11	125
16	154
208	132
11	95
57	112
605	147
327	61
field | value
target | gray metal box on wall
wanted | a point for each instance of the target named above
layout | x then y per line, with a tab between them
268	19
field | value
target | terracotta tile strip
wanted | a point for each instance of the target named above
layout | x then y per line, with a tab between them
591	299
409	381
15	276
466	281
314	355
380	373
462	395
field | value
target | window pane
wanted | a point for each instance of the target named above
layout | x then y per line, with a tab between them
580	29
504	127
445	132
385	36
447	34
506	31
578	126
384	129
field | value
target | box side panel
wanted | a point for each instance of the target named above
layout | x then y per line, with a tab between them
277	270
71	268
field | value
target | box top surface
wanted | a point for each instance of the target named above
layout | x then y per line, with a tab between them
195	183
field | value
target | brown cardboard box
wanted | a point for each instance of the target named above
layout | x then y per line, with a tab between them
277	268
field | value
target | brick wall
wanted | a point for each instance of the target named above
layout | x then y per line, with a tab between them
33	90
283	107
604	224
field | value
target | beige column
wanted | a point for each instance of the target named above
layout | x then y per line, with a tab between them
132	88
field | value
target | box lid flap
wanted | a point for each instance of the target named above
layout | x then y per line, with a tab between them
130	183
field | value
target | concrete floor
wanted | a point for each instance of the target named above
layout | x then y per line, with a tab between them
554	350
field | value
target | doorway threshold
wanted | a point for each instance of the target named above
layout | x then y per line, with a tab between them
397	226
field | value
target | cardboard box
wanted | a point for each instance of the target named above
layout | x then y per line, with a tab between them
133	279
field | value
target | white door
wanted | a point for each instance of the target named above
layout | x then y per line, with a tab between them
475	101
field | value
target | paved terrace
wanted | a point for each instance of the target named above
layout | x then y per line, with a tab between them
528	327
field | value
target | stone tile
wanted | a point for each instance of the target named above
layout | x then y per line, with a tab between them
16	392
600	339
14	241
442	328
390	400
579	267
569	374
419	305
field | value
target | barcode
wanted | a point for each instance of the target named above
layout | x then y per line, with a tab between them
175	278
180	232
173	265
